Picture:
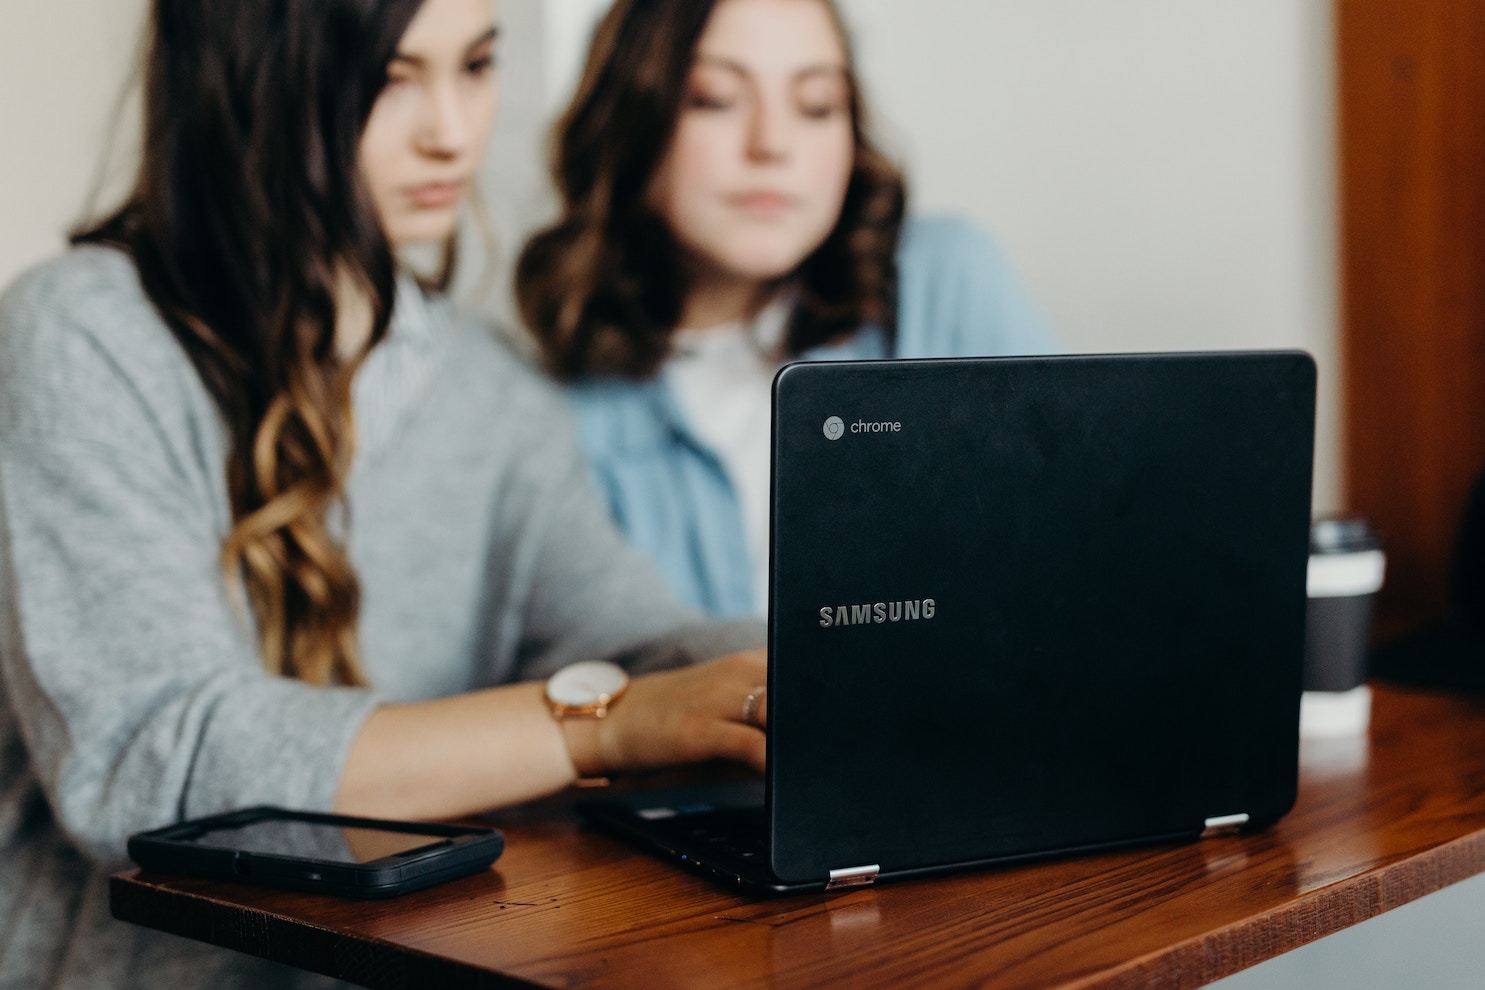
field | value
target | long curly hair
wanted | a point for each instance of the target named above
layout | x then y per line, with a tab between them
247	212
601	289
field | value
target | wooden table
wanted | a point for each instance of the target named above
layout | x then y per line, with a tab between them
1378	823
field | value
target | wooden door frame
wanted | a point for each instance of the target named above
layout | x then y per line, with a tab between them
1411	106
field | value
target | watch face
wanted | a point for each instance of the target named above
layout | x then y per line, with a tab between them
591	682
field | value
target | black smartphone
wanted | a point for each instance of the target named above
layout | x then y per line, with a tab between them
327	854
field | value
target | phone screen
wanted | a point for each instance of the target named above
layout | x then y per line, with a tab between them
316	840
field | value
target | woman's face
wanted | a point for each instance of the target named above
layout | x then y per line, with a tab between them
428	126
755	175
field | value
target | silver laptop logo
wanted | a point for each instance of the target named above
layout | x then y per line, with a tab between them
877	612
834	428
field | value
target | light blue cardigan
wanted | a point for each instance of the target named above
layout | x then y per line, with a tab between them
670	493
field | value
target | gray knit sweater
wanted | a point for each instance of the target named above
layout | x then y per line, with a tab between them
131	693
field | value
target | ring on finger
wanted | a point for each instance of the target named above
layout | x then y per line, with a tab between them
751	705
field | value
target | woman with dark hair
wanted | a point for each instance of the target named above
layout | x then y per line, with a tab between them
725	211
278	527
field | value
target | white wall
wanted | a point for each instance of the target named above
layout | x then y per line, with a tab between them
1162	171
63	66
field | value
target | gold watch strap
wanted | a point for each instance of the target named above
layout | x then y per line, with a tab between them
580	723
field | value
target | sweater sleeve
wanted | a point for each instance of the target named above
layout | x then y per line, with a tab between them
135	681
591	595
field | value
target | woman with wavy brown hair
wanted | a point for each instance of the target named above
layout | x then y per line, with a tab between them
277	526
725	210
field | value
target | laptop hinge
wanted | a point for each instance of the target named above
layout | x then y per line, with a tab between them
854	876
1223	825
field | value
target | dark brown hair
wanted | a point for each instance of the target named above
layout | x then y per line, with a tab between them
247	210
602	288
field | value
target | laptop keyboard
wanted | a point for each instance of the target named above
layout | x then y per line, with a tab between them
736	834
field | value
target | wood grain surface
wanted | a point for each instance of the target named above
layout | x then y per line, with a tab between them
1380	821
1410	102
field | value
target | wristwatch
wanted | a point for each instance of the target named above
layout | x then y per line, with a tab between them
585	692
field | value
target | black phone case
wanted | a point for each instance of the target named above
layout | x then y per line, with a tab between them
469	850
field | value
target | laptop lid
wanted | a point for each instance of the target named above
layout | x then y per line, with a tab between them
1022	605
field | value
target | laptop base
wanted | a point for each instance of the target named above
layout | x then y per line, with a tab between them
716	830
720	832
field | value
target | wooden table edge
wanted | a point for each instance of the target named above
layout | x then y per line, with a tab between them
1324	911
1192	963
295	942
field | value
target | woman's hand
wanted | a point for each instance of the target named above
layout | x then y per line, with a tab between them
689	715
456	756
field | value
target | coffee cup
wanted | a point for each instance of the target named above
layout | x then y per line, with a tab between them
1346	570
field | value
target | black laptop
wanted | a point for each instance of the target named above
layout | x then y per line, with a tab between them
1019	607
